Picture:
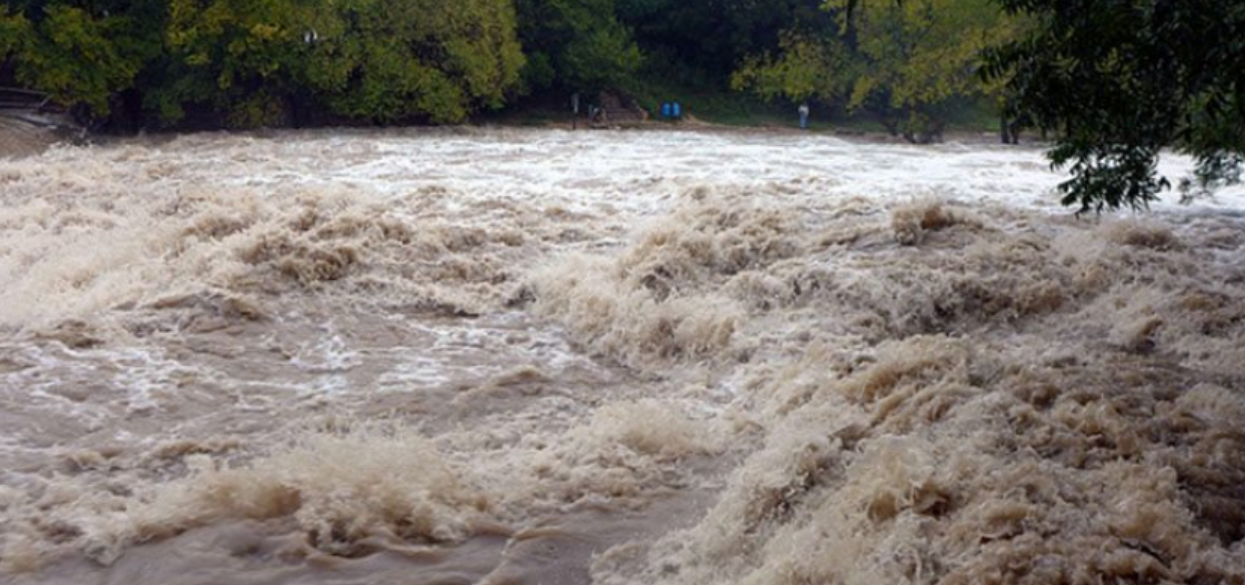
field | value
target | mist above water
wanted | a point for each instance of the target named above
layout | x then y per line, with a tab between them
646	357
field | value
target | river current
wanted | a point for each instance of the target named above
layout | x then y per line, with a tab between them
536	356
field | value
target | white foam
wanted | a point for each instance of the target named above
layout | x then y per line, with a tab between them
600	170
327	354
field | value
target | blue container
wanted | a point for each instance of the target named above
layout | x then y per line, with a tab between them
676	111
665	109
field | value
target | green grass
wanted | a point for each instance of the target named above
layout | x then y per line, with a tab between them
731	108
975	116
712	104
707	102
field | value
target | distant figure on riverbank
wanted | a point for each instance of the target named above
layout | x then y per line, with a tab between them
803	110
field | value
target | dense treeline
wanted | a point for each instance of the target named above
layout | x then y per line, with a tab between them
246	63
1112	81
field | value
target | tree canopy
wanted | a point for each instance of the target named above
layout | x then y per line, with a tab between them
915	57
1117	81
575	45
905	62
80	54
1114	82
245	63
250	61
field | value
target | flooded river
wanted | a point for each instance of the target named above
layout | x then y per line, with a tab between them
532	356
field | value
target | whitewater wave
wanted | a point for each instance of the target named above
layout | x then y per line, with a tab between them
241	359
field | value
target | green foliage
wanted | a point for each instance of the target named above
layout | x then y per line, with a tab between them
576	45
907	63
607	56
1118	80
918	55
388	60
249	61
78	56
918	52
714	36
233	55
378	60
14	32
805	67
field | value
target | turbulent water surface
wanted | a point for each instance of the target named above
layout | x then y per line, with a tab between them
504	356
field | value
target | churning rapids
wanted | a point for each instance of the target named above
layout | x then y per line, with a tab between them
510	356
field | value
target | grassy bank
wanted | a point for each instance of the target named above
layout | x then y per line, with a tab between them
706	103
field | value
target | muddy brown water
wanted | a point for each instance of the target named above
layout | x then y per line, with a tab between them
21	138
525	356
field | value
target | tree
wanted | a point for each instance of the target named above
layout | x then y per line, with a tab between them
906	63
377	60
233	56
80	54
389	60
919	56
711	36
575	45
805	67
14	32
1119	80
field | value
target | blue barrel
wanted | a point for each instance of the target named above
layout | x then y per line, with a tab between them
665	109
676	111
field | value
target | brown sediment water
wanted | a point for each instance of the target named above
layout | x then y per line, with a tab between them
19	137
512	356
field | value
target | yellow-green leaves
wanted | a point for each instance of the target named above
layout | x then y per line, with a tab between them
925	51
376	60
14	32
74	55
900	61
805	67
389	60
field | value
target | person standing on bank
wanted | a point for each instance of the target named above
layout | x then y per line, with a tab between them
803	116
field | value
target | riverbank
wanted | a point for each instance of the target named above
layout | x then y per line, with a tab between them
735	112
